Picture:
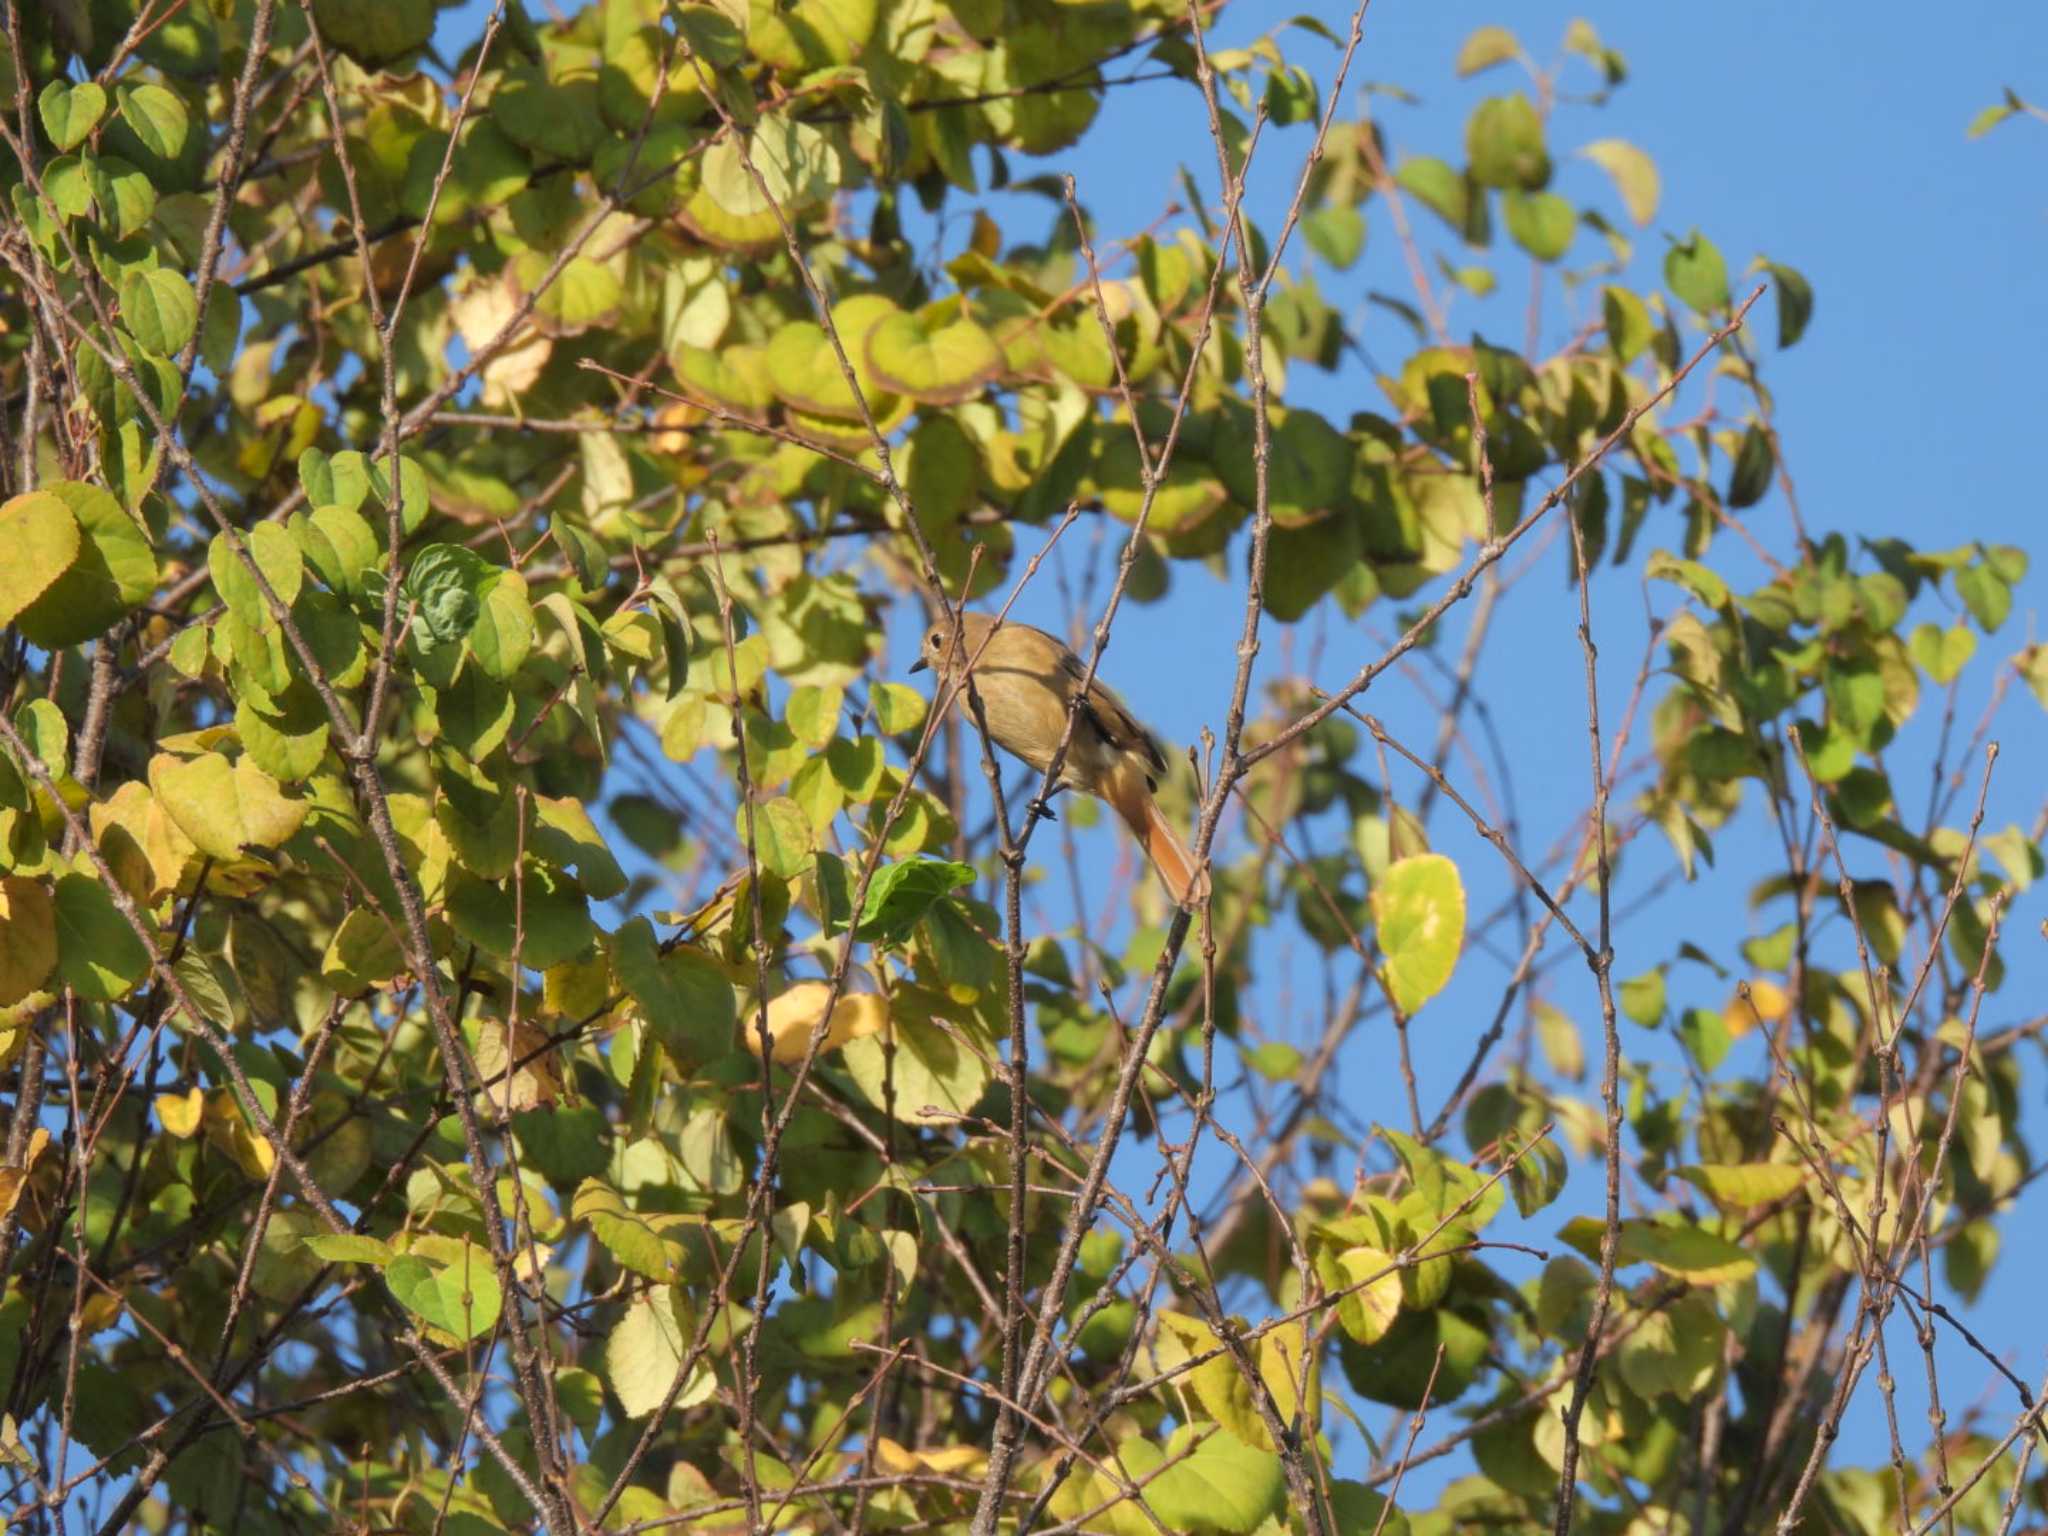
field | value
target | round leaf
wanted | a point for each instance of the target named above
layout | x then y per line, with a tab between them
935	366
41	539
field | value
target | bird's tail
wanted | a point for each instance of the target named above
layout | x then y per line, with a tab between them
1128	796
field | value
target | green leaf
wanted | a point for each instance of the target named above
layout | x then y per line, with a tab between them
124	195
42	539
476	713
1626	321
1541	223
349	1248
553	909
781	835
1684	1252
276	555
70	111
447	583
374	32
1642	998
1439	188
933	1070
1218	1483
646	1350
460	1296
1634	173
412	487
900	893
157	117
1504	144
115	569
1363	1511
341	481
1943	653
813	713
795	163
897	708
1419	913
1486	47
1372	1283
503	632
159	309
1755	463
1987	597
805	372
1694	270
1673	1350
363	952
1336	233
1702	582
1795	303
98	955
47	734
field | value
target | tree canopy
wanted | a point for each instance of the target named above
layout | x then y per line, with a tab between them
518	1016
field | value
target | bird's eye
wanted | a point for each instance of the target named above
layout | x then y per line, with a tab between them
932	641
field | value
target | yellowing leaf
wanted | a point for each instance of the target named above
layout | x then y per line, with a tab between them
365	952
795	1013
481	314
1486	47
28	937
1737	1185
1675	1349
1419	910
1369	1311
41	539
1634	173
936	1075
225	807
941	366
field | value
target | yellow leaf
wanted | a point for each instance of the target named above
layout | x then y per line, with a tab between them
1766	1003
181	1113
947	1460
579	988
226	1129
793	1015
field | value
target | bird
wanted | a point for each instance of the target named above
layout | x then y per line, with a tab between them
1026	680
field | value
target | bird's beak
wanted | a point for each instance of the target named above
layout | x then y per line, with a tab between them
919	665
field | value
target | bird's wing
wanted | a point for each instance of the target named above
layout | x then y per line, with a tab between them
1111	719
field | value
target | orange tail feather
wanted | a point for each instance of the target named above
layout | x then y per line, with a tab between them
1129	798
